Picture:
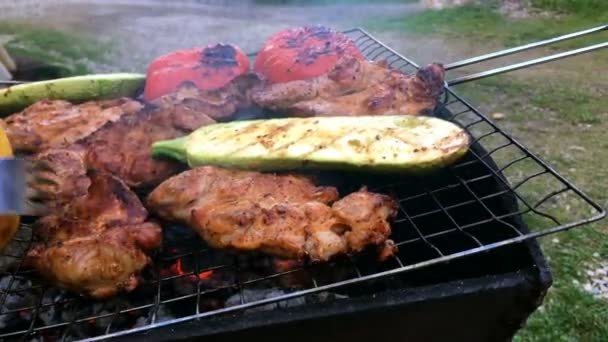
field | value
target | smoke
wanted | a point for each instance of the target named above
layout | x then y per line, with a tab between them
141	30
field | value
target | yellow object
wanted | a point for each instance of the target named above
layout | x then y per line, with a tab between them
8	223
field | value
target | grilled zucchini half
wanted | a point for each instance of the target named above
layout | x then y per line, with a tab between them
75	89
377	143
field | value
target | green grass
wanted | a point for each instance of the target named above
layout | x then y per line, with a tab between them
68	51
480	22
578	104
559	112
575	105
568	313
573	6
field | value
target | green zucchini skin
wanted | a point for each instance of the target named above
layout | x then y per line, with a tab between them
401	143
74	89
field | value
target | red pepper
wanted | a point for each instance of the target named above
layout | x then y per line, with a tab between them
208	68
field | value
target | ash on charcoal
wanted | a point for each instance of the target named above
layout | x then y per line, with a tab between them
95	325
82	309
162	314
323	297
254	295
50	314
15	300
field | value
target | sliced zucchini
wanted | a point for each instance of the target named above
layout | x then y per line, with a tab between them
379	143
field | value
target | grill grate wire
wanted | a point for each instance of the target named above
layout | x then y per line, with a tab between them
410	227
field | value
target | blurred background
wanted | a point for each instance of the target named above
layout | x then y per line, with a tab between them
559	110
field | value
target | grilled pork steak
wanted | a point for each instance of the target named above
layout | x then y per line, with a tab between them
284	215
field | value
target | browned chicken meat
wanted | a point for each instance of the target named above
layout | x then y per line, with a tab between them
356	87
57	123
98	243
219	104
283	215
122	148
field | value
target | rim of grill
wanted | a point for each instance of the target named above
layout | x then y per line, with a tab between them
508	154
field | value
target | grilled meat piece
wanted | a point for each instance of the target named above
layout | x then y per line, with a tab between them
219	104
122	148
283	215
57	123
98	243
356	87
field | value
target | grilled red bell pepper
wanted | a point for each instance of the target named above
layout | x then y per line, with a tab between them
208	68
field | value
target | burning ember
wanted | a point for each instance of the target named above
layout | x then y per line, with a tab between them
177	270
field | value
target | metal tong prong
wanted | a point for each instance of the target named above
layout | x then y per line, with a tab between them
21	182
516	66
39	176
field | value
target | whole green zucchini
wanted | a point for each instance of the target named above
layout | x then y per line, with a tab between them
379	143
75	89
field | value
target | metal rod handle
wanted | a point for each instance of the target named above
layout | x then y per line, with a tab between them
521	65
514	50
526	64
11	82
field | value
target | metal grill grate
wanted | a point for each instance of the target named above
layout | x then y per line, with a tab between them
430	229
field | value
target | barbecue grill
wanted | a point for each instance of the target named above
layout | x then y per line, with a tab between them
461	232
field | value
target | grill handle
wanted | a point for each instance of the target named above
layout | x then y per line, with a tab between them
511	51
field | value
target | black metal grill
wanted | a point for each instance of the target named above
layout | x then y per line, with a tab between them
442	217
